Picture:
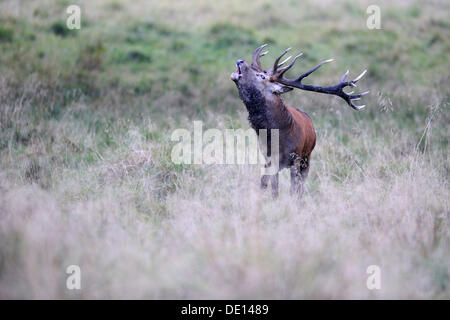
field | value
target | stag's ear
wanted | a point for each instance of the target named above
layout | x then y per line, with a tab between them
280	88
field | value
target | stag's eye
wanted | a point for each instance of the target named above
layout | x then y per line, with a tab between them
262	76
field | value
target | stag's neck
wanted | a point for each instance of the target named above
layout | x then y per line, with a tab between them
265	112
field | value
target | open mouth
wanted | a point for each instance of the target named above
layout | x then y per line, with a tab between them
238	69
235	76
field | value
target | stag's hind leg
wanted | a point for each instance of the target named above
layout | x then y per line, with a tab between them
264	181
299	172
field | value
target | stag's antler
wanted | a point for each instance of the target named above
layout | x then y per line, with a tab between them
277	76
256	56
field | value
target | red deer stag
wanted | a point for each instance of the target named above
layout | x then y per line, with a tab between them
260	91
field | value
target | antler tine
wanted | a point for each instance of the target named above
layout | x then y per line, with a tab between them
359	77
283	70
356	97
275	64
345	76
284	61
357	107
313	69
256	55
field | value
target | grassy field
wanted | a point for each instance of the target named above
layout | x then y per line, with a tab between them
86	176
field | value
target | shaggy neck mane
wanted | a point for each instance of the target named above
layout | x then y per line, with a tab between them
260	114
256	104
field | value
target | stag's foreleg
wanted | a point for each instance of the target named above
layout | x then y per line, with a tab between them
273	181
274	184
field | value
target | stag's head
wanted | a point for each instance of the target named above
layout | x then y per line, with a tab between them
251	79
252	76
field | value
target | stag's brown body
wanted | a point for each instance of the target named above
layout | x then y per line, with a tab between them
302	131
261	90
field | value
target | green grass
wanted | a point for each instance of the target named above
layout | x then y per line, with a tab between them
86	176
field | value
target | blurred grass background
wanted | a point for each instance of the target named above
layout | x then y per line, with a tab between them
85	171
